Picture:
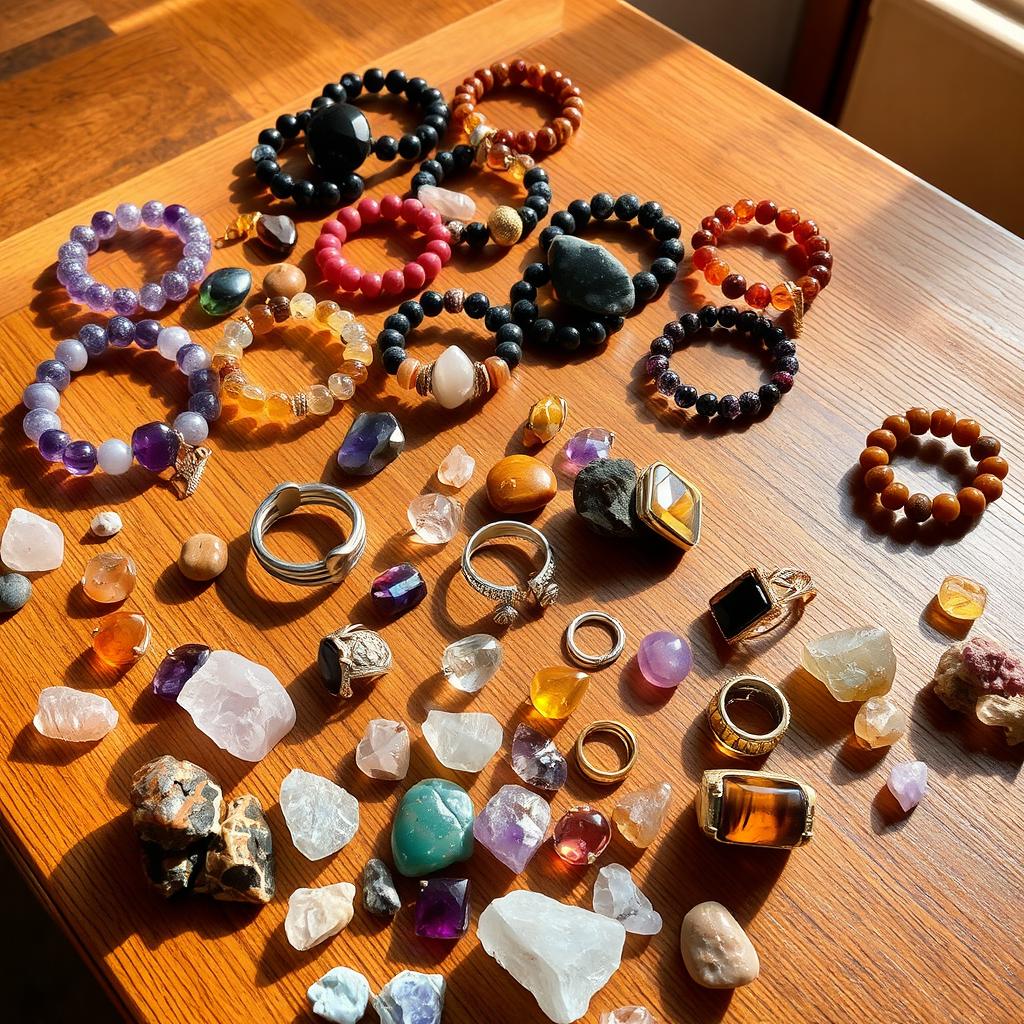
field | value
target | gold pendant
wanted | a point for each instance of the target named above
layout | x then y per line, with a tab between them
188	468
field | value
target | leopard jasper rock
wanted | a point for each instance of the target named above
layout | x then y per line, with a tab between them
172	871
175	804
240	861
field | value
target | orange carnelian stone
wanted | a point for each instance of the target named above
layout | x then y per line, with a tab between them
786	220
943	421
716	271
744	210
919	419
878	478
727	215
703	256
966	432
804	230
945	507
972	501
765	211
989	485
758	295
781	299
121	638
895	496
883	438
994	465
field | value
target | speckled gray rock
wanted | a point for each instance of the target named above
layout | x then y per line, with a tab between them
589	277
603	496
15	591
380	896
240	861
175	804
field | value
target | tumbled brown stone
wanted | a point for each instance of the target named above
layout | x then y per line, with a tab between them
716	950
175	804
240	861
283	279
520	483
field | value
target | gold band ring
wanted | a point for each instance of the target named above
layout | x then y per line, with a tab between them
748	691
623	734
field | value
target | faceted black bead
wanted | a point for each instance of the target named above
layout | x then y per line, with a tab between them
788	364
476	235
548	235
389	338
649	214
668	382
432	303
496	316
351	187
708	315
690	322
593	333
662	346
522	290
386	147
476	305
409	147
750	404
770	395
510	351
373	80
271	137
645	285
538	274
427	137
614	323
287	125
542	189
747	321
534	175
412	311
334	91
774	337
524	312
707	404
542	331
685	396
664	270
398	322
281	185
568	338
538	204
728	315
784	348
447	162
627	206
565	221
338	139
394	81
414	88
602	205
327	194
391	358
509	333
671	249
266	170
434	169
528	216
579	210
303	193
667	227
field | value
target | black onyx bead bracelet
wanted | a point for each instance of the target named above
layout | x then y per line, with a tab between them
778	348
339	139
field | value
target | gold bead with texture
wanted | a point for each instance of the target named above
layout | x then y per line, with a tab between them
505	226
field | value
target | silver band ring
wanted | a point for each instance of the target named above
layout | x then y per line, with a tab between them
581	657
337	563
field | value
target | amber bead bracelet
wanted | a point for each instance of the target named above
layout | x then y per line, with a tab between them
968	501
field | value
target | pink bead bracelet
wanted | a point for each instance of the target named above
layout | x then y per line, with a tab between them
413	276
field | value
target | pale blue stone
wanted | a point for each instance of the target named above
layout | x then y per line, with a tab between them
411	998
340	996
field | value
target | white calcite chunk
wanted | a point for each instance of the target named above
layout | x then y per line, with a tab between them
314	915
68	714
453	378
105	524
464	741
31	543
617	896
451	205
340	996
383	752
562	955
239	704
320	815
854	664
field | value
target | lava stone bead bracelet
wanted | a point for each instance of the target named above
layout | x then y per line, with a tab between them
453	378
677	333
339	139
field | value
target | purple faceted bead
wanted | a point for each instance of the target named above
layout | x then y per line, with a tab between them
146	333
206	403
584	447
125	301
120	331
175	285
203	380
155	446
72	251
374	440
52	444
665	659
442	908
397	590
174	213
104	223
53	371
191	357
80	458
94	338
98	297
85	235
153	213
177	668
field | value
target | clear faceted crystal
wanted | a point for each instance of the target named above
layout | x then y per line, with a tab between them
640	815
31	543
854	663
627	1015
616	895
456	468
316	914
435	518
411	998
64	713
340	996
513	825
383	752
470	663
879	722
536	759
321	816
464	741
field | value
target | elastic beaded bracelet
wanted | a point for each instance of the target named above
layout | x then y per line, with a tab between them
339	138
414	275
317	399
779	349
84	240
969	501
555	132
156	445
795	295
505	226
453	378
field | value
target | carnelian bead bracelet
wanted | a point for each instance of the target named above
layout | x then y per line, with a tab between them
785	295
968	501
555	132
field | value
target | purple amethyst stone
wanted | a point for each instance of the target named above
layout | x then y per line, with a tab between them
665	659
155	446
125	301
374	441
94	338
120	331
104	223
513	825
177	668
53	371
52	444
397	590
98	297
146	333
174	213
442	908
80	458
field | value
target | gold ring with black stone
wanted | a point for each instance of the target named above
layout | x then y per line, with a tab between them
623	734
759	600
746	692
749	808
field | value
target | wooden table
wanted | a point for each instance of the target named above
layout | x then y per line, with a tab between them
882	917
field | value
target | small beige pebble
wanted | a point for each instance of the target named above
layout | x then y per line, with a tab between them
716	950
105	524
204	556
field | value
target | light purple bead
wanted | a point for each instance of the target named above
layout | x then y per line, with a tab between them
146	333
42	396
128	216
52	443
155	446
153	213
104	223
98	297
198	380
175	285
192	357
86	236
191	227
73	251
94	338
192	267
206	403
120	331
80	458
665	659
202	250
174	213
79	285
125	301
72	353
68	270
38	421
52	371
193	428
151	297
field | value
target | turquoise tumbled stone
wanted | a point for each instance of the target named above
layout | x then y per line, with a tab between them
224	290
433	828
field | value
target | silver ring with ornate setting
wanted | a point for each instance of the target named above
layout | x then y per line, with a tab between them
540	589
585	659
337	563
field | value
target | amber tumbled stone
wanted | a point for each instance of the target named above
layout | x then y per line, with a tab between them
895	496
873	456
920	420
882	438
762	812
943	422
878	478
972	501
989	485
966	432
520	483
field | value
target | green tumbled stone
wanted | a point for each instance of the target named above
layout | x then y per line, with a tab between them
224	290
433	828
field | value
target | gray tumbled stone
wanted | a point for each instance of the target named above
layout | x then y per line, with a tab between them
603	496
589	277
15	591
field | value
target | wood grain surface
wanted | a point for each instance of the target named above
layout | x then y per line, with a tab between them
883	917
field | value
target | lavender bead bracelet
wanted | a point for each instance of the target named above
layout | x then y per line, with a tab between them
156	446
84	240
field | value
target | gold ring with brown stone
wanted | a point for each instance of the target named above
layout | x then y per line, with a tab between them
756	809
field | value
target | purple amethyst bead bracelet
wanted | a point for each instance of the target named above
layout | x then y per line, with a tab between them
84	240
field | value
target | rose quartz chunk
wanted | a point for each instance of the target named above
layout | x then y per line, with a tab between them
909	783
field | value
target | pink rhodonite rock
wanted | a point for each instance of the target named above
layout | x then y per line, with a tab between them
909	783
239	704
31	543
383	752
879	723
68	714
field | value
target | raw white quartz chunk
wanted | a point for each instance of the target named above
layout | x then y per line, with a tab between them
383	752
616	895
321	816
451	205
464	741
68	714
314	915
31	543
560	954
105	524
239	704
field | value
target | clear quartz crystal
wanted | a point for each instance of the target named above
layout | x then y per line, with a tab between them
456	468
320	815
435	518
879	722
470	663
617	896
31	543
383	752
463	741
854	664
67	714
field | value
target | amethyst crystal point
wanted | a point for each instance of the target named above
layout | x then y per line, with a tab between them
442	908
512	825
176	669
374	441
155	446
585	447
397	590
536	759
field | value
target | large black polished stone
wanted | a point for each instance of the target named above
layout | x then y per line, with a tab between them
589	277
338	139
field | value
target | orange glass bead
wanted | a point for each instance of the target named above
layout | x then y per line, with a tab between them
994	465
497	371
758	295
883	438
547	140
765	212
895	496
873	456
918	508
714	225
966	432
945	508
486	76
703	256
526	142
563	129
920	420
473	121
500	72
121	638
279	406
744	210
499	157
943	421
262	319
787	219
878	478
408	371
809	286
804	230
984	447
573	116
727	215
899	426
716	271
990	485
972	501
355	369
252	398
781	298
535	75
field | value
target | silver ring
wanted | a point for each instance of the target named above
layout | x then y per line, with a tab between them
539	589
337	563
581	657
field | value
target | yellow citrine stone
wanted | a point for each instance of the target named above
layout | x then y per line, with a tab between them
556	692
546	419
962	599
669	504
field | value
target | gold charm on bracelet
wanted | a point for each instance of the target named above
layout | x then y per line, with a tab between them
737	699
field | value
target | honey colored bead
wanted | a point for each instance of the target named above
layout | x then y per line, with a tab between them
920	420
994	465
943	421
714	225
984	447
781	298
573	116
203	557
324	311
918	508
758	295
283	279
966	432
716	271
895	496
473	120
505	226
520	483
878	478
809	286
945	507
962	598
341	386
408	370
319	400
898	426
703	257
339	321
989	485
279	406
563	129
302	306
804	230
499	157
497	371
226	348
360	351
873	456
744	210
252	398
972	501
121	638
233	384
460	112
356	370
262	319
882	438
556	692
786	220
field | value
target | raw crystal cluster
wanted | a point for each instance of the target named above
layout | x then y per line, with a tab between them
433	828
879	722
463	741
456	468
340	996
470	663
109	577
240	860
434	518
909	783
383	752
513	825
31	543
536	759
315	915
442	908
321	816
716	950
640	815
557	692
854	664
380	897
411	998
617	896
562	955
64	713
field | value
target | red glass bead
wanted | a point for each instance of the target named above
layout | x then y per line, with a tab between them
804	230
786	220
744	210
504	137
820	274
809	286
701	238
758	295
817	243
581	835
765	212
703	256
526	142
734	286
727	215
712	224
716	271
819	258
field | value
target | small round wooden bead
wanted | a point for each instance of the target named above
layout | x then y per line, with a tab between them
989	485
996	465
883	438
873	456
966	432
918	508
920	420
203	557
943	421
945	508
895	496
898	425
984	447
972	501
878	478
